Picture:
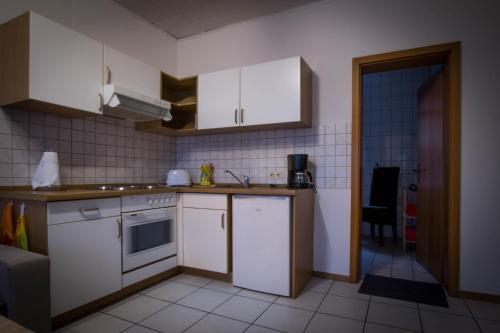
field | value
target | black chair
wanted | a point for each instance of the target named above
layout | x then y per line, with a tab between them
383	202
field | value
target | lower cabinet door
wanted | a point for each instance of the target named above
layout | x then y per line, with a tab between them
205	239
85	262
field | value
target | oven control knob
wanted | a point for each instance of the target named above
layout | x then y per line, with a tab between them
150	202
156	201
162	200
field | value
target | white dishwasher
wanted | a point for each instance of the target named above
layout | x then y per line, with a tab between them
261	243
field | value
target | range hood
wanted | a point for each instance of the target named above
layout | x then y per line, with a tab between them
123	103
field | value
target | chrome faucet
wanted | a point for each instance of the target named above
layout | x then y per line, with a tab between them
245	182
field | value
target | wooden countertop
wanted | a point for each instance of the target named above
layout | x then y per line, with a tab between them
86	192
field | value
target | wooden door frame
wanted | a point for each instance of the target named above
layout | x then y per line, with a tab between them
443	53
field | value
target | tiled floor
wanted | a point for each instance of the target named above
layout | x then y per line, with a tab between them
391	260
193	304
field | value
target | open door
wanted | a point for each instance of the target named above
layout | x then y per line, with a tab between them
432	195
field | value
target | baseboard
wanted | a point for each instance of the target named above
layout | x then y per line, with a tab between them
208	274
479	296
331	276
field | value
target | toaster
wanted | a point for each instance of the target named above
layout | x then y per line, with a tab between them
178	177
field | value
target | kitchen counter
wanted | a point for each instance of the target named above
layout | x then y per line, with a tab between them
90	192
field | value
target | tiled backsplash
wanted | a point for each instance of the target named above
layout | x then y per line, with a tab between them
389	124
259	154
93	150
108	150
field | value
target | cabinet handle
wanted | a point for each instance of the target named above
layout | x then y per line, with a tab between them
235	116
222	221
89	212
108	80
101	101
119	229
241	116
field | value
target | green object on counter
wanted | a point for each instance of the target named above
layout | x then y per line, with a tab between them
206	177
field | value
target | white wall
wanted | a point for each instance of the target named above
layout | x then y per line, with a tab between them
328	35
107	22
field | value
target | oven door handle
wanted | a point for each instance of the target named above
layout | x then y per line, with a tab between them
131	223
119	228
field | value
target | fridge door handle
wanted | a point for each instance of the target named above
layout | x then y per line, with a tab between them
222	221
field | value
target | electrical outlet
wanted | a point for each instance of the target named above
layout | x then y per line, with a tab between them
275	175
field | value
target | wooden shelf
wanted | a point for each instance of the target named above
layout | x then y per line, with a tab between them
188	101
182	94
187	104
178	91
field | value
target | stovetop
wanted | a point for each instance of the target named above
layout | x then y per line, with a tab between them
127	187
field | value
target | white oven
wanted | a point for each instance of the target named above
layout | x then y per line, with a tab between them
148	236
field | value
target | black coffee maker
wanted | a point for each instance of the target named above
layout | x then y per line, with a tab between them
298	176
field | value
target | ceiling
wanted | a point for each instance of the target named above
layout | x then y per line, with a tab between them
182	18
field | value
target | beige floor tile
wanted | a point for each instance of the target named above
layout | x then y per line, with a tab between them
489	326
223	286
393	315
257	295
322	323
259	329
441	322
197	281
377	328
173	319
217	324
344	307
137	308
205	299
138	329
484	310
285	319
101	323
393	301
318	285
242	308
457	307
307	300
172	291
347	289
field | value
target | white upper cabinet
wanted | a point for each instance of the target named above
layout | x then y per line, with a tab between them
49	67
270	92
276	93
219	99
64	66
130	73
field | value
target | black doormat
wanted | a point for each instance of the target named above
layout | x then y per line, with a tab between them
406	290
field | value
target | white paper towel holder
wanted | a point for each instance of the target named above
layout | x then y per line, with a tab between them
48	164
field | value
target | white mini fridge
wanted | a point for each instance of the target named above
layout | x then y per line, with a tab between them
261	243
